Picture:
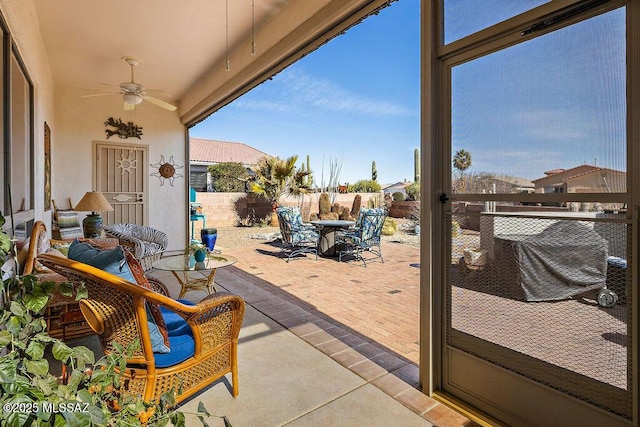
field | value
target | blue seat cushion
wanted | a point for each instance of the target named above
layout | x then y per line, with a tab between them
182	348
176	325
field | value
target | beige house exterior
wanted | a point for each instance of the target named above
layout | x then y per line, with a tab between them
582	179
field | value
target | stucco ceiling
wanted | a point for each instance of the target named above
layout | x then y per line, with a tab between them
178	41
183	44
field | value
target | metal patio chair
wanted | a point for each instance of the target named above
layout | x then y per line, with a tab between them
365	237
297	237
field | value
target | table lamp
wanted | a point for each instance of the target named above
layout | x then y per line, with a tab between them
94	202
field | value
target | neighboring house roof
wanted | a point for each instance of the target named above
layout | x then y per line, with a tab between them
558	176
514	180
212	151
398	185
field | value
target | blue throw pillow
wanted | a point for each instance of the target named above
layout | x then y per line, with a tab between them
110	260
114	261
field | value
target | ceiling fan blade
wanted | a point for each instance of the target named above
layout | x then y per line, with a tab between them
99	94
157	92
159	102
129	107
109	84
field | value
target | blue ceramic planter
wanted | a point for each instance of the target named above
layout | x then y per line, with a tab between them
200	255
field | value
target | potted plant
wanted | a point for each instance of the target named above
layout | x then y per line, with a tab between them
198	251
31	395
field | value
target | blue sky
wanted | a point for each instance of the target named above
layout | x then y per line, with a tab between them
556	101
354	100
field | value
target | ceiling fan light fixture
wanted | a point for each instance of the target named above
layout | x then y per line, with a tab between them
132	98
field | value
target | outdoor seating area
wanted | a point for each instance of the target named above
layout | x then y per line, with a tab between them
183	346
310	341
297	238
364	238
332	238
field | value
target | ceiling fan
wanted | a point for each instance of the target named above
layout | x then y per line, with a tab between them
134	93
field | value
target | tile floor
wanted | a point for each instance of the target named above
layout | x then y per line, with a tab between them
325	343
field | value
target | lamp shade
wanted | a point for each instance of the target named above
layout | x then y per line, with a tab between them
93	201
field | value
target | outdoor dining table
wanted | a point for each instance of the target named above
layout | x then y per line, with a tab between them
181	265
328	228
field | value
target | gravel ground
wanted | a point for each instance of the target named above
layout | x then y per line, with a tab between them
234	237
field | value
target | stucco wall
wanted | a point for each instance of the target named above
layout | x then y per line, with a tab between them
80	122
76	122
20	17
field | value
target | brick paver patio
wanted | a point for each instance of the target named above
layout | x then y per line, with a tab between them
381	301
367	319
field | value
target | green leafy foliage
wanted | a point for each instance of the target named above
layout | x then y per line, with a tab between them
92	396
228	177
274	177
413	191
398	196
365	186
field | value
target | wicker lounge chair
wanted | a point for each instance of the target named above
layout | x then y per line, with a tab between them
203	337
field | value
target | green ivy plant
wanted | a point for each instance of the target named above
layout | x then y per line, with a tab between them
31	396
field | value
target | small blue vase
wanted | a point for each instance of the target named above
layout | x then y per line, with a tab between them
200	255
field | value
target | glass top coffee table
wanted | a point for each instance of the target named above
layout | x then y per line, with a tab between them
181	265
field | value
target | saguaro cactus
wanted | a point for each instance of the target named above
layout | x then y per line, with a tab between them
416	165
310	176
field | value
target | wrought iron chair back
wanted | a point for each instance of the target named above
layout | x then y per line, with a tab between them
297	237
365	237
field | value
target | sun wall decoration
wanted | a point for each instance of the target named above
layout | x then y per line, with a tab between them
166	170
126	164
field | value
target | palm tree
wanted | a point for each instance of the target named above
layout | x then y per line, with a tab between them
461	162
274	177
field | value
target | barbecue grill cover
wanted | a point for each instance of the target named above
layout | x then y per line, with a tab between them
565	259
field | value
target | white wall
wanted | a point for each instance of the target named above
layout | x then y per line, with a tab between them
80	122
76	122
21	18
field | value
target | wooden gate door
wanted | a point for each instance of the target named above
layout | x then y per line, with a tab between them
121	172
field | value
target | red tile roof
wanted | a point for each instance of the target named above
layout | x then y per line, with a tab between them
212	151
562	175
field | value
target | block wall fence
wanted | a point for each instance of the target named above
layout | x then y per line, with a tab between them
228	209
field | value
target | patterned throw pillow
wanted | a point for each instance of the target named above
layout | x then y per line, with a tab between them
67	219
152	308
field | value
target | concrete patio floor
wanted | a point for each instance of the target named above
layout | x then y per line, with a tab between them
323	342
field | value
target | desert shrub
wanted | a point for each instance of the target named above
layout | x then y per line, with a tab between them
227	176
365	186
413	191
374	202
387	201
398	196
389	227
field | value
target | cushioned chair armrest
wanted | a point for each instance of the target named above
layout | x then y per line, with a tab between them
158	286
